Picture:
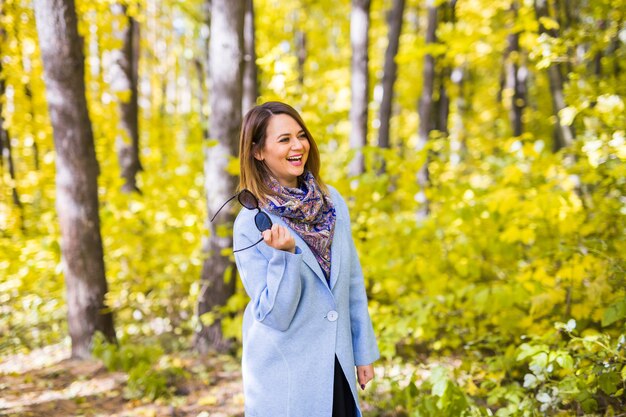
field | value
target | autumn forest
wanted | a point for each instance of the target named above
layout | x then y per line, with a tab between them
480	146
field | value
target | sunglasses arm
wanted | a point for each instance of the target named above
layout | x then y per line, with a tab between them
248	247
220	209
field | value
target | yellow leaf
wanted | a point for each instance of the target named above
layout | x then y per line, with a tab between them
233	166
567	115
208	400
548	23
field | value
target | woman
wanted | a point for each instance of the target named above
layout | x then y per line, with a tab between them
307	325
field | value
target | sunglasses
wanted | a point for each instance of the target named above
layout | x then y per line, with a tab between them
249	201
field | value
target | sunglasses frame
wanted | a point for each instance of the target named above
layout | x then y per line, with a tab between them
261	218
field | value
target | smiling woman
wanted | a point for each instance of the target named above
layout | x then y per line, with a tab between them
307	325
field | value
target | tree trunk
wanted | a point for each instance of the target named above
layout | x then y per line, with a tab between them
5	139
76	174
300	40
515	74
390	70
425	106
250	83
567	15
29	94
202	66
458	141
442	104
563	135
359	31
612	50
124	80
6	153
441	113
512	84
458	145
218	272
202	97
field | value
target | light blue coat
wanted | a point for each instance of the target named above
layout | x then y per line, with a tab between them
295	323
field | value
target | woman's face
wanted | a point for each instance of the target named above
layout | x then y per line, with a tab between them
286	149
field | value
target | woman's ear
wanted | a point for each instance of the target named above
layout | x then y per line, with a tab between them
258	156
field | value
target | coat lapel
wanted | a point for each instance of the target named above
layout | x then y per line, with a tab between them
336	248
335	254
307	254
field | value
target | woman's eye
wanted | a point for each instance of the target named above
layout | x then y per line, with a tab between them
285	139
302	136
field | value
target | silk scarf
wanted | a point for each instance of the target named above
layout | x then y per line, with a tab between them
308	211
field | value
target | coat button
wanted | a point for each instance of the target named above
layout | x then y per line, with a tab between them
332	315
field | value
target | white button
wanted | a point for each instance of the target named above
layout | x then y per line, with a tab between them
332	315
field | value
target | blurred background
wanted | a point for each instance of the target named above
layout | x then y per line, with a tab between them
480	145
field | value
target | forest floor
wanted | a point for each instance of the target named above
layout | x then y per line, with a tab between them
47	383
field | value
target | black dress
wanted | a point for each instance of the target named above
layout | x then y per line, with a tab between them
343	403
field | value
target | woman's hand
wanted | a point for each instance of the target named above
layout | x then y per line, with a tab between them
279	237
365	373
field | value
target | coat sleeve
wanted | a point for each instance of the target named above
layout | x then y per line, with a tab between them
363	338
270	277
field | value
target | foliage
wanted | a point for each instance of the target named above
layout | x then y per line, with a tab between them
149	376
151	241
487	274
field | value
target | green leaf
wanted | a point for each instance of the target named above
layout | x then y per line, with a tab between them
589	405
609	382
439	379
565	361
615	312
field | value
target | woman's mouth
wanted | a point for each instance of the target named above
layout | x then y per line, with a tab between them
295	160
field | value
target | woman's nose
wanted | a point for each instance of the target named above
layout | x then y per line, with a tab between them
296	144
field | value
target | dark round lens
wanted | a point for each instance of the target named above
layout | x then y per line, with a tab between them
248	200
263	221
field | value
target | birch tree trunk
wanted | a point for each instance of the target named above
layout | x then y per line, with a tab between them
390	70
76	174
250	82
458	132
226	69
124	80
359	31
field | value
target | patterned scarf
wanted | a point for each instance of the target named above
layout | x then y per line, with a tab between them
308	211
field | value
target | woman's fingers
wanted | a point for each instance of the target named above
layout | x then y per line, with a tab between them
279	237
365	374
267	236
271	235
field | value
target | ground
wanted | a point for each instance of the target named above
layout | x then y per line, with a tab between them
47	383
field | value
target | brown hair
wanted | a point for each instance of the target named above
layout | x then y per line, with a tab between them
253	172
